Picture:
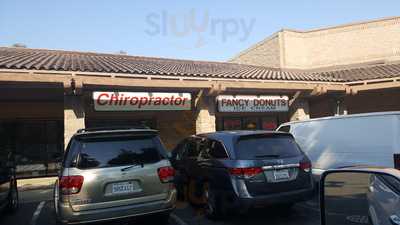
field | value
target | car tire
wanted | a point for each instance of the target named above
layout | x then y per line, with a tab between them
212	207
13	198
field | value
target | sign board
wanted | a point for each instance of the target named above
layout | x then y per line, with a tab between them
141	101
252	103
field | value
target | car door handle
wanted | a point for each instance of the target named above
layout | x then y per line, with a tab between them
395	220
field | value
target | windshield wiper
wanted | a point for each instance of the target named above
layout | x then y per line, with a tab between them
267	156
131	166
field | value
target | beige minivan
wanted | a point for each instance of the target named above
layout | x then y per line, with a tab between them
115	173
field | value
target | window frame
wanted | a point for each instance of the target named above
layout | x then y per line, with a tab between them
223	147
284	126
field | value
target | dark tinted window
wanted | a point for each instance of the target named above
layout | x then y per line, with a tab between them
71	153
118	151
260	147
191	149
178	151
205	149
218	150
391	182
285	128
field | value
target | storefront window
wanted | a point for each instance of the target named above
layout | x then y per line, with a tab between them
247	123
232	124
250	123
38	146
268	123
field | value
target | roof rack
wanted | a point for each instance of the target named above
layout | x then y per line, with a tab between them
83	130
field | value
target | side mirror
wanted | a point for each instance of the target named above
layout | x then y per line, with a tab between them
364	196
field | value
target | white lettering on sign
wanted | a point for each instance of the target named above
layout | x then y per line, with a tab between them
141	101
252	103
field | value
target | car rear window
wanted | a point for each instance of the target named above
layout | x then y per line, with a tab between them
118	151
266	147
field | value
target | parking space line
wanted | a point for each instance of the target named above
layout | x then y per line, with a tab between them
178	220
37	213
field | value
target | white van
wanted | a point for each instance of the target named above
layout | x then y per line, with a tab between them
340	141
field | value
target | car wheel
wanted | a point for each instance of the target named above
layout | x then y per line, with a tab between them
193	195
212	205
13	201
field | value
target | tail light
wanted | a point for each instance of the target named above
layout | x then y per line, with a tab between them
245	172
306	166
70	184
166	174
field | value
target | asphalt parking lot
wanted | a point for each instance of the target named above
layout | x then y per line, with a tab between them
36	208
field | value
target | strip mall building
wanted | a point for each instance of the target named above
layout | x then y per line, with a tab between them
46	95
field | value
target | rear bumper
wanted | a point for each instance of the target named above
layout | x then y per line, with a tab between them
68	216
278	198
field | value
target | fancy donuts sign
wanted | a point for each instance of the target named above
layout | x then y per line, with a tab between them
251	103
141	101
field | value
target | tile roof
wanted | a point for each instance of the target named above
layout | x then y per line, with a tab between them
56	60
363	72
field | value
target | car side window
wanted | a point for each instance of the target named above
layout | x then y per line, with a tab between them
205	149
285	128
177	153
218	150
190	149
391	182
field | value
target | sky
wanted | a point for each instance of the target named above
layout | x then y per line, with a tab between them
201	30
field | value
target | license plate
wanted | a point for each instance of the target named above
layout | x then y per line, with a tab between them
125	187
281	174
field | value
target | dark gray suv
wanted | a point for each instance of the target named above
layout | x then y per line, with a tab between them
237	170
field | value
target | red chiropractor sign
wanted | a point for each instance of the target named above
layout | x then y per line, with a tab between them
141	101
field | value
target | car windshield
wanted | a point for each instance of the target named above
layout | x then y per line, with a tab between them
118	151
261	147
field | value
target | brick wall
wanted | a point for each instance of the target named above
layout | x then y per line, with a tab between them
174	126
342	45
266	53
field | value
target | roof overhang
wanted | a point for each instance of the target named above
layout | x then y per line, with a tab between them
159	81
